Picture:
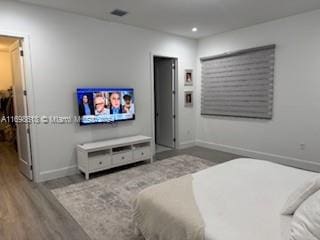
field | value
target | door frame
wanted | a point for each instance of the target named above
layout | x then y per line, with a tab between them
28	78
176	100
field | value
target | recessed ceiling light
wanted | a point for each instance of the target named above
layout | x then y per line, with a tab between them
194	29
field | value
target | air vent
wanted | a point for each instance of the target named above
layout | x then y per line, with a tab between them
119	12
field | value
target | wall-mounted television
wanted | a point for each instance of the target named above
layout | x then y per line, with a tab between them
105	105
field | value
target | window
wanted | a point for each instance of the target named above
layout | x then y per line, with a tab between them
239	84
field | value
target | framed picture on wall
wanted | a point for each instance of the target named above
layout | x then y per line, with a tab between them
188	98
188	77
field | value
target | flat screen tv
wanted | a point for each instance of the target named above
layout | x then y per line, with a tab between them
105	105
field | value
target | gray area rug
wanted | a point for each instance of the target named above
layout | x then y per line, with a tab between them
102	206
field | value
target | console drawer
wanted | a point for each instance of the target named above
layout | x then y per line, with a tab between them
99	161
120	158
141	153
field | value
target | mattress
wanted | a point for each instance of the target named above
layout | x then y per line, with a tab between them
242	199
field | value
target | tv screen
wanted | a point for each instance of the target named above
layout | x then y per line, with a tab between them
105	105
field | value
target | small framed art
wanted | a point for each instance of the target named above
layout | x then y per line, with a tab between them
188	77
188	98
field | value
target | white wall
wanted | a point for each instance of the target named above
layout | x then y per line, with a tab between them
70	51
296	95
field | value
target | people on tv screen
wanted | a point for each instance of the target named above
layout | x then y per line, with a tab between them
86	107
128	106
100	104
115	103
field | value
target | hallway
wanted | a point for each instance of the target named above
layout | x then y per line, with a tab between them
28	211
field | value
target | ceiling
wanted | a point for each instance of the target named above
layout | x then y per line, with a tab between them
5	42
180	16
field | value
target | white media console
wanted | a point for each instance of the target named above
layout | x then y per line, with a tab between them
98	156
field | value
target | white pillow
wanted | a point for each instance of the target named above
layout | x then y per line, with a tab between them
305	224
300	195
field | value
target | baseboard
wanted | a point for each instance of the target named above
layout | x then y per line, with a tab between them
57	173
187	144
294	162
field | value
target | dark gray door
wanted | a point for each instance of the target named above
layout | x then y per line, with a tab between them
164	74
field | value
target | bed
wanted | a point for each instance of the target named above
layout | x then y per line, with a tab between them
238	200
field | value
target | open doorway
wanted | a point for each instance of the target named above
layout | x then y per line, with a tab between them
164	102
14	128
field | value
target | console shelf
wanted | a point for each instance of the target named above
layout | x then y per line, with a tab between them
99	156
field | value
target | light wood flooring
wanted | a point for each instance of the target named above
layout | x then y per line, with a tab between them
29	211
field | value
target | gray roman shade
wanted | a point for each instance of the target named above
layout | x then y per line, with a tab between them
239	84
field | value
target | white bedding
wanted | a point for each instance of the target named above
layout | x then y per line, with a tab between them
242	199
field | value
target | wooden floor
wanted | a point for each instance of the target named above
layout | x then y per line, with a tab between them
29	210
